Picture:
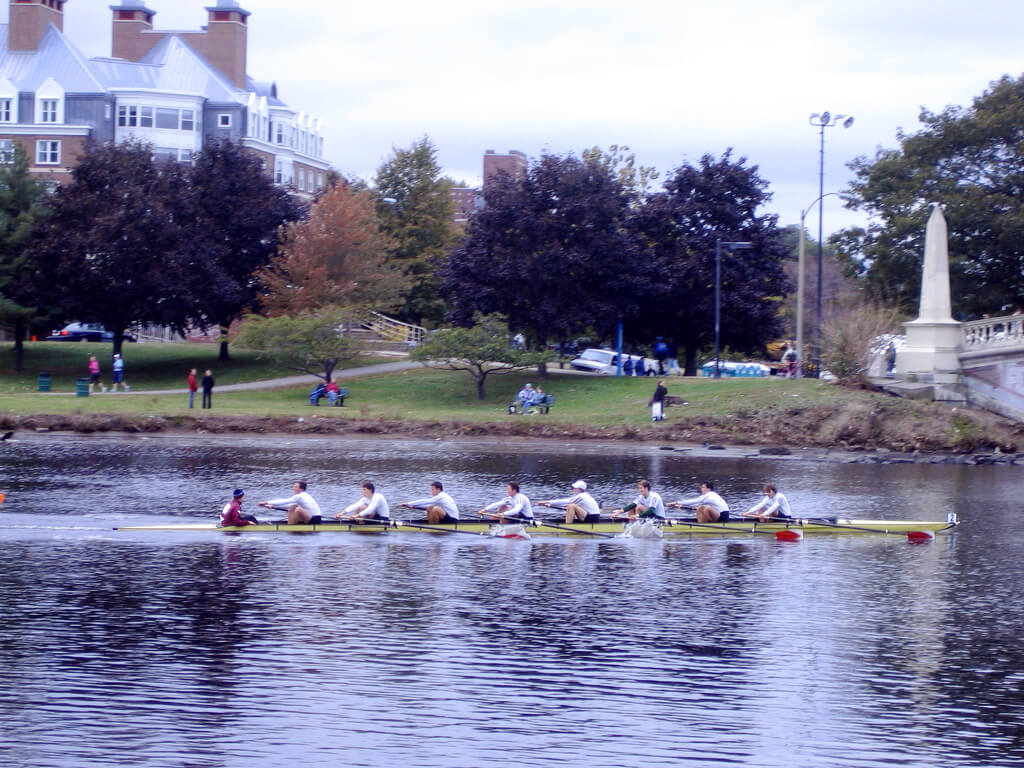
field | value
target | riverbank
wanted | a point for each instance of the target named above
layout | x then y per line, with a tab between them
398	400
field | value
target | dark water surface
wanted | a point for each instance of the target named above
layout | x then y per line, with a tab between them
218	650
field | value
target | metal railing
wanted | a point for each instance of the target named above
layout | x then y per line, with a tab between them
393	330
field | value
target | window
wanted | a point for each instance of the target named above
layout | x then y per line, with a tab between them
224	120
167	118
279	133
48	111
188	120
127	116
6	114
47	152
6	151
279	172
145	117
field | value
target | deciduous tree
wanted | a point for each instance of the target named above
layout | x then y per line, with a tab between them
483	349
416	211
113	249
309	343
552	251
21	206
338	256
237	216
969	159
716	199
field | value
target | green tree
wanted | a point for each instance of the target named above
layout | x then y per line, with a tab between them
416	211
482	350
971	161
621	162
21	207
308	343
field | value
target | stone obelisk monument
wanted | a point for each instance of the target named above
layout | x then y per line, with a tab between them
931	352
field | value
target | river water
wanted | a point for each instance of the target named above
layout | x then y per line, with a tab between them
217	650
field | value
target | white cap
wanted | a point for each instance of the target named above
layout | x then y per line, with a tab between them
580	485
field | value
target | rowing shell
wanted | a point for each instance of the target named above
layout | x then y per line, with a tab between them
670	528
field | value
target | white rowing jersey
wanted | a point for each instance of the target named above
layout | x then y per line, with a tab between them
582	499
769	504
302	499
710	498
442	500
653	503
376	507
515	506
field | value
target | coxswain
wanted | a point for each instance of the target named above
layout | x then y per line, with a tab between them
773	505
302	508
232	515
372	506
514	505
440	507
709	506
647	504
579	508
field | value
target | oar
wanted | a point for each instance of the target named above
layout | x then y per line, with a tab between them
911	535
570	529
399	524
787	534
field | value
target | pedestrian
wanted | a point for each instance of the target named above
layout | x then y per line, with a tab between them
661	354
94	374
193	386
672	363
208	389
117	366
657	402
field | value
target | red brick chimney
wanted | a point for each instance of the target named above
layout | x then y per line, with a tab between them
131	19
28	20
224	40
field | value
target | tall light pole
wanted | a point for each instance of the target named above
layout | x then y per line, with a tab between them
821	122
729	246
800	291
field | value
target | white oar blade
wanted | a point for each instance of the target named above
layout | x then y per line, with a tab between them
509	532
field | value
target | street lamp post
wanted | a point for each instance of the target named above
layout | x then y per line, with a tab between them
821	122
730	247
800	291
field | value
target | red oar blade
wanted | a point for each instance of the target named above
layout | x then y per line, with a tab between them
790	534
920	536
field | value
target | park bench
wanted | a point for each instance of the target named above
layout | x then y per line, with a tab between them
339	401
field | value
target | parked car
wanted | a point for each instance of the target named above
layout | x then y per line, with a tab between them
84	332
605	361
730	368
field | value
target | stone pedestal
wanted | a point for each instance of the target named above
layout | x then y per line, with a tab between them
931	353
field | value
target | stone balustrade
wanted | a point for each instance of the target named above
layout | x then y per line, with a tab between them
993	333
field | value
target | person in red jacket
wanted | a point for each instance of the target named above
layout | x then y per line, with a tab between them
232	512
193	385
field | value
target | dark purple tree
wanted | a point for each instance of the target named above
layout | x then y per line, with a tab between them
552	251
112	250
234	230
717	199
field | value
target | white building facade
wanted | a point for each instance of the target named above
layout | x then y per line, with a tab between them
173	90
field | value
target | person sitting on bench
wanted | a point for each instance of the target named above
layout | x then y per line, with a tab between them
316	393
332	391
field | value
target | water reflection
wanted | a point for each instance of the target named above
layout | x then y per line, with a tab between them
211	650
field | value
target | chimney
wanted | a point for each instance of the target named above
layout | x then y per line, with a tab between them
226	43
131	19
28	21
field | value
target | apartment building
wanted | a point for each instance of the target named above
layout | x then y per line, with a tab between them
173	90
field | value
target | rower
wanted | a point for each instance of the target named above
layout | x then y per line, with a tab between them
515	505
232	512
302	508
647	504
373	506
440	507
774	504
709	506
579	508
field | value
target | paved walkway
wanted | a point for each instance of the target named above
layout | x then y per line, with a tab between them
287	381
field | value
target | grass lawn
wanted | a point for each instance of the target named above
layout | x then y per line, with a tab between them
147	366
418	394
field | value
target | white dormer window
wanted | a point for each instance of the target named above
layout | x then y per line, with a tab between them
6	110
50	103
8	101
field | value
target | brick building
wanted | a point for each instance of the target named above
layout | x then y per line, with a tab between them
173	90
469	200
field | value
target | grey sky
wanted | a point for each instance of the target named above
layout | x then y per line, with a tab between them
672	79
